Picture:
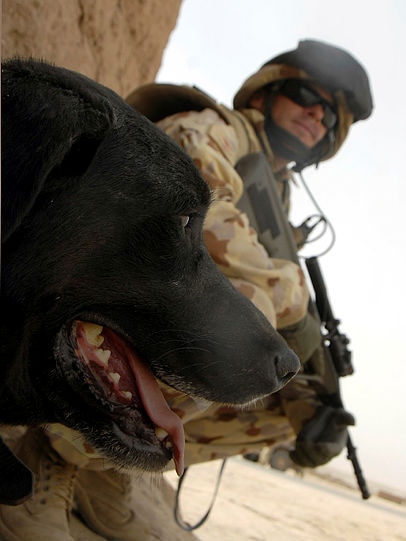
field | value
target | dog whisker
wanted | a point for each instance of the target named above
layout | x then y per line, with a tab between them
183	348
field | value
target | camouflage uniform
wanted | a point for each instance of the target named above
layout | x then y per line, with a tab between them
276	287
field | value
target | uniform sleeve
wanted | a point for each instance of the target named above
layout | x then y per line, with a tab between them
276	287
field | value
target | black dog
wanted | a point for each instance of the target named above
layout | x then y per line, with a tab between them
104	273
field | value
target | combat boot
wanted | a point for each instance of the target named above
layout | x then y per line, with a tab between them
103	500
45	516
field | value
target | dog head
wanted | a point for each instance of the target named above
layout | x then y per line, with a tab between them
107	287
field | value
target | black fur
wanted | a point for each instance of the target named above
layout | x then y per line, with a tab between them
92	195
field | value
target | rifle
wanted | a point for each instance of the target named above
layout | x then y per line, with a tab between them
263	206
337	355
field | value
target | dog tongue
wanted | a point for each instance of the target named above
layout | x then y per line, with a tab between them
157	408
89	338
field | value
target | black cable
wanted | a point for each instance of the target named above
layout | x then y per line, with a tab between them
321	218
185	525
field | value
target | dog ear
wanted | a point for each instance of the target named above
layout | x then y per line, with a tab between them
51	118
16	480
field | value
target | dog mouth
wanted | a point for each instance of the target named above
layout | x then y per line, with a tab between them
104	369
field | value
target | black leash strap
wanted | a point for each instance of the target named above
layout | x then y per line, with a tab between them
179	521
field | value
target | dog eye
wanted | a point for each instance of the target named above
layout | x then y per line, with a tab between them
184	220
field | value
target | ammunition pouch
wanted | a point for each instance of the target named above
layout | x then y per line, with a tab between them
323	437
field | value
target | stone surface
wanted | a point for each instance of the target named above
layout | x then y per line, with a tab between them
117	42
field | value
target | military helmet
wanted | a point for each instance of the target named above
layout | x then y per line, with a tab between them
328	66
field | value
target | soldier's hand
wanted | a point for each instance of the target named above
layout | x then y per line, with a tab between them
323	437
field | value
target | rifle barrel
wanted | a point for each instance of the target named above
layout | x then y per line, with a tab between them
352	456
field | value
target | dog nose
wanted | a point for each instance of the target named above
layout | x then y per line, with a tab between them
286	367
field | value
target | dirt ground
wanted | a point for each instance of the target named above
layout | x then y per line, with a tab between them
256	503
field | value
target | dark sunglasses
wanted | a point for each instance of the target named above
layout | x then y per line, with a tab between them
306	97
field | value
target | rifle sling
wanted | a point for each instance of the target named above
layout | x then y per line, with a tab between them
262	204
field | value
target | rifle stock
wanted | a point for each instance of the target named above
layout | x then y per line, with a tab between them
263	206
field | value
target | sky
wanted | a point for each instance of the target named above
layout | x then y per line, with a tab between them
362	190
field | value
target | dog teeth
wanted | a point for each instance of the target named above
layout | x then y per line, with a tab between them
104	355
161	434
127	394
168	444
115	376
93	333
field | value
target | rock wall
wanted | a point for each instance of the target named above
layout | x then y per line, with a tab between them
117	42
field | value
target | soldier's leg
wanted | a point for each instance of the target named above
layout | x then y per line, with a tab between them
68	469
103	493
224	431
46	514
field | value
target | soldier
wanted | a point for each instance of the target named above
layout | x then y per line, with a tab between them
297	109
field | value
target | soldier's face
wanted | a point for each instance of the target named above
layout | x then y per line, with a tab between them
304	122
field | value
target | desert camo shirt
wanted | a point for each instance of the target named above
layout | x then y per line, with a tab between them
275	286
